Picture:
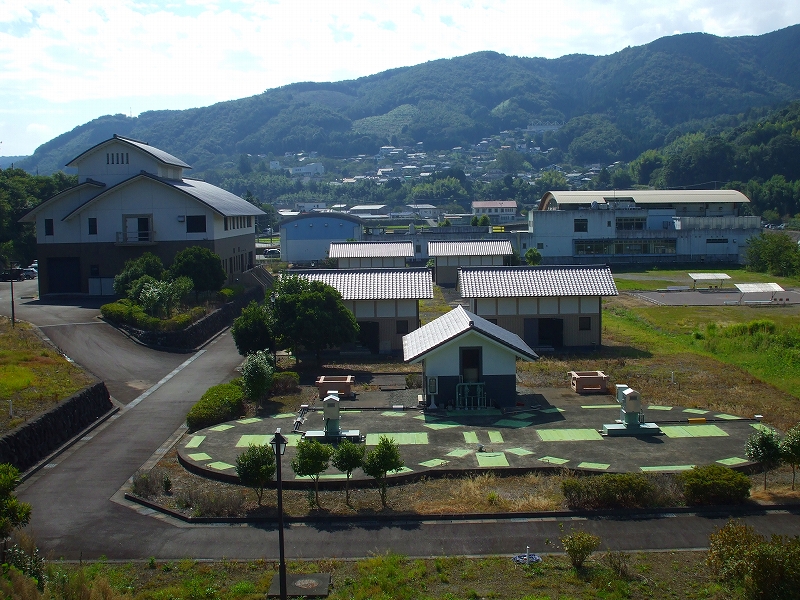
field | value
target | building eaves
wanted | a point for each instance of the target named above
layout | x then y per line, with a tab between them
30	216
371	250
470	248
374	284
541	281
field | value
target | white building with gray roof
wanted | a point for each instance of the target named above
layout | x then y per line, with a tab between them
360	255
451	254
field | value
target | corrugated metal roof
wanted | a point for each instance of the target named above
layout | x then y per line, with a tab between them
374	284
455	323
516	282
470	248
495	204
642	197
164	157
371	249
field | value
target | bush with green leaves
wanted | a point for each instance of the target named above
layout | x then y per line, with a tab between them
257	375
220	403
714	484
764	446
200	265
256	468
790	449
253	329
579	546
160	298
13	513
311	460
610	490
285	382
382	460
147	264
347	457
147	484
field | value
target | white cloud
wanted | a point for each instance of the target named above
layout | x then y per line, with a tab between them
63	52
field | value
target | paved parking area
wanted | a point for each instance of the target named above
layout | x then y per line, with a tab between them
719	297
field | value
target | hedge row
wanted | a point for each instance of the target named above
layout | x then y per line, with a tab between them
127	313
220	403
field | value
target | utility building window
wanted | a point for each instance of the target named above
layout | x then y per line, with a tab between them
92	226
48	226
581	225
584	323
402	327
195	223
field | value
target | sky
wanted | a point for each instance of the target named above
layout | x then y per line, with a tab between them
66	62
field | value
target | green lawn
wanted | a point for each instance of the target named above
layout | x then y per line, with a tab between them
654	279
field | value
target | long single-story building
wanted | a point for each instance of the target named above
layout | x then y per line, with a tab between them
307	237
547	306
467	361
385	302
366	255
450	255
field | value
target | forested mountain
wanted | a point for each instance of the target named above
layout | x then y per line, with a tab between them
615	107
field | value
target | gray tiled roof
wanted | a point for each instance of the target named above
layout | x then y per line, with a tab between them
470	248
374	284
371	249
515	282
164	157
455	323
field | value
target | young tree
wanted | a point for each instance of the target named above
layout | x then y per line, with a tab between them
256	467
764	446
13	513
533	257
382	460
257	374
311	460
147	264
790	449
311	315
252	330
347	457
200	265
484	221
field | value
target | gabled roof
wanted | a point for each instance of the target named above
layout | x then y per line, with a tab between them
454	324
470	248
374	284
371	249
517	282
30	216
160	155
217	199
640	197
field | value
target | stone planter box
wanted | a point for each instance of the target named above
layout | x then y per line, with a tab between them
341	383
588	382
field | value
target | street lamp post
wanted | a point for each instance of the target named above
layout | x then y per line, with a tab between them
278	444
11	272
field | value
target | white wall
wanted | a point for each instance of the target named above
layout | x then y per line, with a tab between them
94	164
444	361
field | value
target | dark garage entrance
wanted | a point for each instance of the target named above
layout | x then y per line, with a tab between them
544	332
369	336
63	275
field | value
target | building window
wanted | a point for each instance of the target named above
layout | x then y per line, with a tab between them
48	226
631	223
195	223
94	270
418	249
108	159
402	327
581	225
92	226
249	221
540	245
717	241
225	220
584	323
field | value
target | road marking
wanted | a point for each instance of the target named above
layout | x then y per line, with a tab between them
68	324
165	379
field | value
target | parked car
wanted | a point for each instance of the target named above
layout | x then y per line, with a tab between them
29	273
272	253
11	274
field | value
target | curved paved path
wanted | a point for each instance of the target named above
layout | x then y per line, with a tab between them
75	516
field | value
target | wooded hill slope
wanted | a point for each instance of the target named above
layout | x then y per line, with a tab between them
615	106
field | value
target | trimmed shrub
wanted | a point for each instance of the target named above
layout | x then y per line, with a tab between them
714	484
220	403
125	312
285	382
612	490
225	294
579	546
257	374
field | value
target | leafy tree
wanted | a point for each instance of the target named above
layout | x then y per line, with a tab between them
13	513
311	460
202	266
252	330
533	257
159	298
764	446
256	468
775	253
257	373
474	221
311	315
790	449
509	161
484	221
382	460
347	457
147	264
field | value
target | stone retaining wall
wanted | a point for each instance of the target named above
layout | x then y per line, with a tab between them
33	441
197	333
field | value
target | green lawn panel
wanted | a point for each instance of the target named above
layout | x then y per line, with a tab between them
253	440
590	406
762	427
470	437
434	462
491	459
524	416
495	437
200	456
334	476
220	466
284	416
427	418
667	468
478	412
511	423
439	426
393	413
591	465
657	407
675	431
401	439
223	427
688	431
695	411
459	452
569	435
401	471
195	441
293	440
728	417
519	451
732	461
248	421
553	460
